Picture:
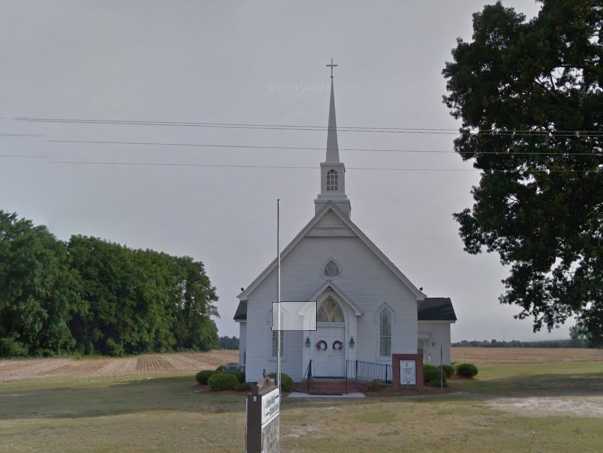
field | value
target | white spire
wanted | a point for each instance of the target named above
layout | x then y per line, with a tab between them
332	171
332	147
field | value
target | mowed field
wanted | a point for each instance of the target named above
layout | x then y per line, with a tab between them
524	400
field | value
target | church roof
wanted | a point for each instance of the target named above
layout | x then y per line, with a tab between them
330	207
241	313
436	309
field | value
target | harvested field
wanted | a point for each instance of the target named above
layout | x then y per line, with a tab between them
523	400
144	365
525	355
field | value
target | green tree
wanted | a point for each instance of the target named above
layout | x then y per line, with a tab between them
38	290
195	306
522	90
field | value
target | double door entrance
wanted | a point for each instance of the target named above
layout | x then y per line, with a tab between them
328	354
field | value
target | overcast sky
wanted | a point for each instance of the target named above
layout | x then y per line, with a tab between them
247	62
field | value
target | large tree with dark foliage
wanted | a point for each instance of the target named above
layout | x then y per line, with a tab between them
39	292
530	97
93	296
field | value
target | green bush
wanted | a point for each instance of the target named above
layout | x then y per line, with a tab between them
9	347
243	387
466	370
448	371
220	368
203	376
431	375
239	374
222	381
286	382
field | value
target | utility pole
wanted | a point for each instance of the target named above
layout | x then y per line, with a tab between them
278	297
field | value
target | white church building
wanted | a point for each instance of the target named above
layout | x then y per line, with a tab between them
367	309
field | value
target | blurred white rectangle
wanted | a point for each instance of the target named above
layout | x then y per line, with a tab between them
295	316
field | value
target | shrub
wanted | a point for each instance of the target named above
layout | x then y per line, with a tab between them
203	376
239	374
222	381
466	370
243	387
286	381
448	371
220	368
234	368
9	347
431	375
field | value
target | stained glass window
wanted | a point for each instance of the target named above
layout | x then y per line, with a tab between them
330	311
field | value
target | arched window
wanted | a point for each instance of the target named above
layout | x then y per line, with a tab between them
331	180
330	311
385	333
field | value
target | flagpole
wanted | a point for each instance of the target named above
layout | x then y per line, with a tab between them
278	297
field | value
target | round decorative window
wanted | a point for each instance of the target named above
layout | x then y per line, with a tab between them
332	269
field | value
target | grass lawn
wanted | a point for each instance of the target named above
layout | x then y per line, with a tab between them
161	414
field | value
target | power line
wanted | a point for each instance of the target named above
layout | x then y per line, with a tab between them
257	166
308	148
2	134
303	127
279	167
23	156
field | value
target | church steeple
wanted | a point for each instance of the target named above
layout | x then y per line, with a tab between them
332	171
332	147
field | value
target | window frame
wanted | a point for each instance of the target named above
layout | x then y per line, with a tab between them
332	182
387	312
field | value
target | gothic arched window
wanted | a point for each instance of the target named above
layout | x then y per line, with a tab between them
385	333
330	311
331	180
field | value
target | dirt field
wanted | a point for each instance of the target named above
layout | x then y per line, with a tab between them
144	365
485	356
523	400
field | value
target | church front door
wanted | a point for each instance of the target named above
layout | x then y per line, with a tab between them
328	358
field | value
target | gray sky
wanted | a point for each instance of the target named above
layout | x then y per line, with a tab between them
236	61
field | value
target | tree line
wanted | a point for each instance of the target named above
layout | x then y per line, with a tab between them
90	296
569	343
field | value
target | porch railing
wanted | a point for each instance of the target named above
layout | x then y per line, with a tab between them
308	376
360	370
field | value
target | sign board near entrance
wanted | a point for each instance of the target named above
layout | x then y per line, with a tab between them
408	372
270	406
263	407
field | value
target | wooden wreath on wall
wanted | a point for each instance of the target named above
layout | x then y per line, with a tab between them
337	345
322	345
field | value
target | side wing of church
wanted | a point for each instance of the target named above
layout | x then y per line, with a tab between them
367	309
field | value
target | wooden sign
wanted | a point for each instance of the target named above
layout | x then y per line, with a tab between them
263	410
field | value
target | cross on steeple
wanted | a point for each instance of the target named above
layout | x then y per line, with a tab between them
331	65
